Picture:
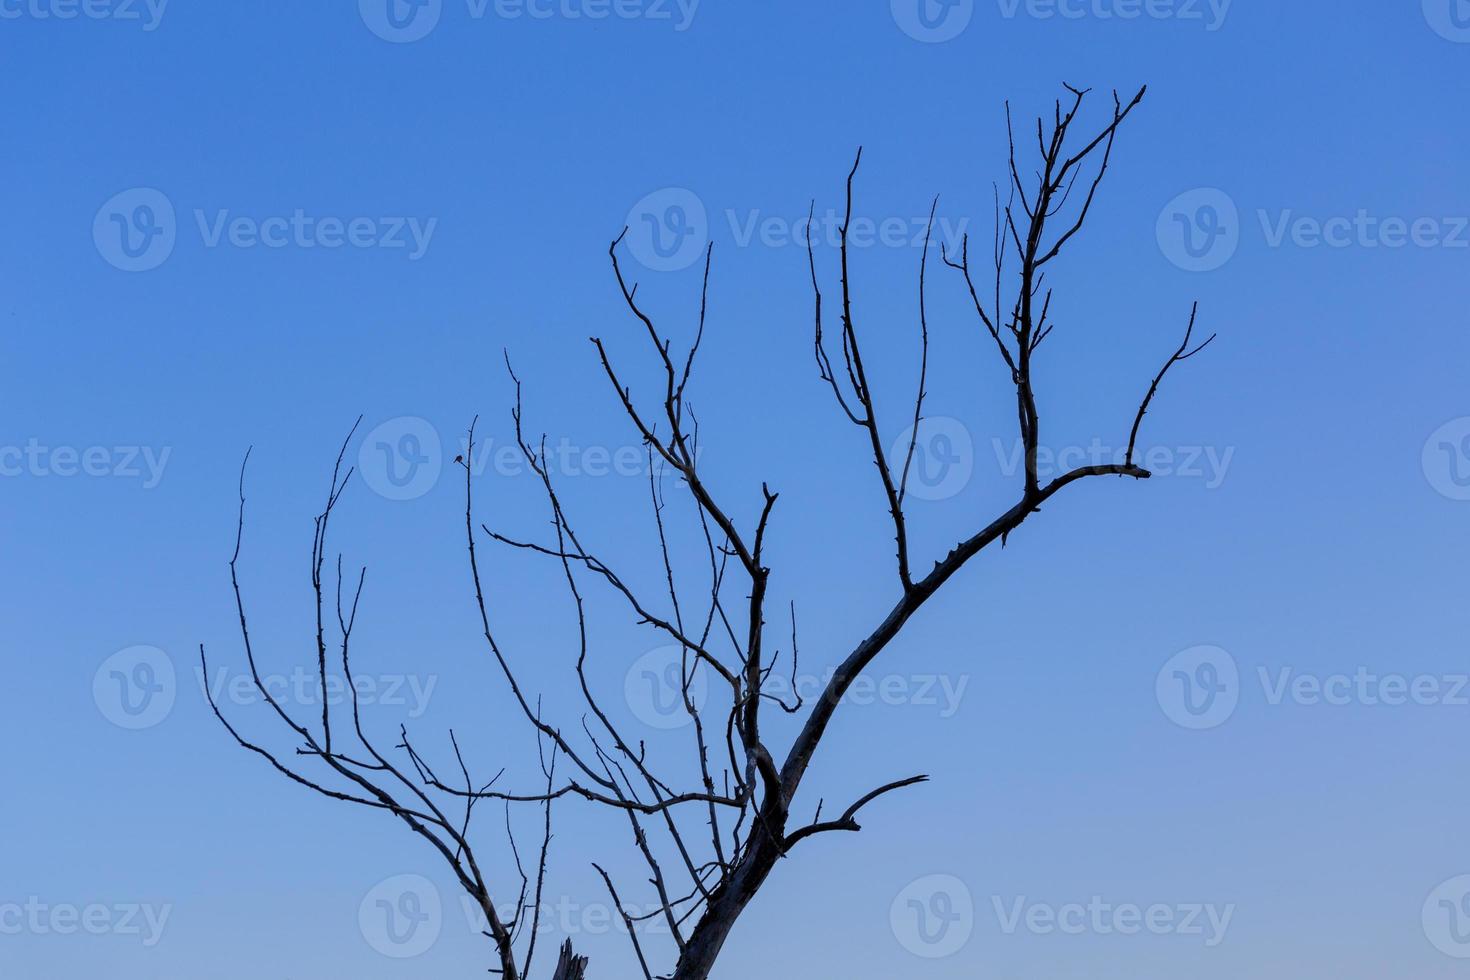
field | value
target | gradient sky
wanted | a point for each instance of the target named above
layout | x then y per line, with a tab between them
1298	168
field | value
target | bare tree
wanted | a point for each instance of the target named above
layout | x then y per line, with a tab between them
711	846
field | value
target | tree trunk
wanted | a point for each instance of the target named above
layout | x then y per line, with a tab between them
714	927
704	946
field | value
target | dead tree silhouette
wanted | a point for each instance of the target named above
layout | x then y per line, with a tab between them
743	803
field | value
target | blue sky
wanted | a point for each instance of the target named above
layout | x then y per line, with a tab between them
246	225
